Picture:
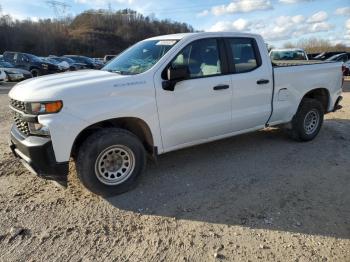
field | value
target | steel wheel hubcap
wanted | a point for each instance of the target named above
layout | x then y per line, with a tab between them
311	121
114	165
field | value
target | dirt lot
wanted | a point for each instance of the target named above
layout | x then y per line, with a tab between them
254	197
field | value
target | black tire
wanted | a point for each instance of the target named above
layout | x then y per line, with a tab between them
89	155
299	129
35	72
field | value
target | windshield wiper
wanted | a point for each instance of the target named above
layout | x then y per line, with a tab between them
120	72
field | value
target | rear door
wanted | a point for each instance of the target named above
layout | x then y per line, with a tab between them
199	108
252	83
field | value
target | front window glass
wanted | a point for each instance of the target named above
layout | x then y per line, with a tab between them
140	57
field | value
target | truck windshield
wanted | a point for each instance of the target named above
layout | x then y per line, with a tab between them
288	55
140	57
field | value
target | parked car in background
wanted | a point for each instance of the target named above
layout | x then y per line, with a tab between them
288	54
346	68
325	55
32	63
14	74
108	58
73	66
91	64
98	60
342	57
312	56
2	58
2	76
64	66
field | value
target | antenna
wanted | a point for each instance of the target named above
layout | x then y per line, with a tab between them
58	7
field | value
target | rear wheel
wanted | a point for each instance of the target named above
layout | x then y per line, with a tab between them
110	161
35	72
308	120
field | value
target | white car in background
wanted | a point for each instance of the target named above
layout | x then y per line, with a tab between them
288	54
3	76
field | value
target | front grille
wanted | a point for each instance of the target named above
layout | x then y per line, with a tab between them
21	125
18	105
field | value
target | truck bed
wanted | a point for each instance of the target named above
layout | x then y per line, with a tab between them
293	79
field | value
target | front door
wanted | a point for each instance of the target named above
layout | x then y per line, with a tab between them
199	108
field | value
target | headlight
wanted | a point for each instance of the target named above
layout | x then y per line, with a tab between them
39	108
38	129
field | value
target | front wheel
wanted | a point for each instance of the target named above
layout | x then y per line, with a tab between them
308	120
110	160
35	72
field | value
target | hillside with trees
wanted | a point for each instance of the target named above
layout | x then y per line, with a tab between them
93	33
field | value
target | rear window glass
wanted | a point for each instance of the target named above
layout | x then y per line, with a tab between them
244	56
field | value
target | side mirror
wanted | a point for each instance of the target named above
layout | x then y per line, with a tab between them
178	73
175	75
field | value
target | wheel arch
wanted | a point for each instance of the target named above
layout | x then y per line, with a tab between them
134	125
34	67
321	94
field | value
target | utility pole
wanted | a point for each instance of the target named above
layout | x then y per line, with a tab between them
59	8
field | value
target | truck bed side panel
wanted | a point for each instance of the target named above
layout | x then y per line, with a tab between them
293	82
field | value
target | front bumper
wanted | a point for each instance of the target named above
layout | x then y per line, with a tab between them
15	77
37	155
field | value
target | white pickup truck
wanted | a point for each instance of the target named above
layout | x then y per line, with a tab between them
163	94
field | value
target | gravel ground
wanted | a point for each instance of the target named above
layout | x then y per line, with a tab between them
254	197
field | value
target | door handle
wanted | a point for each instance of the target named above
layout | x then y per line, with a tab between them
221	87
262	81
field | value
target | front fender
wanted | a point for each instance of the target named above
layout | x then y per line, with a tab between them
71	121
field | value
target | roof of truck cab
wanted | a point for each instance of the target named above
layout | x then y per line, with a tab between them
206	34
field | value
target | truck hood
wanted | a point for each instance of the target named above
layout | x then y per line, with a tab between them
63	85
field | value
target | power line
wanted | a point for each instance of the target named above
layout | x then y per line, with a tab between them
58	7
185	9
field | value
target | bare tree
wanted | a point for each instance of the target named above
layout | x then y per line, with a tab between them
289	45
317	45
92	33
